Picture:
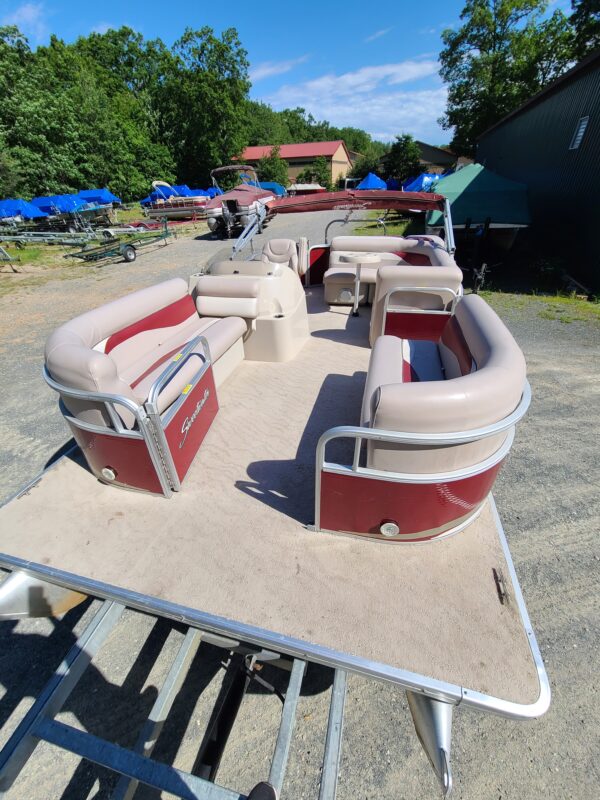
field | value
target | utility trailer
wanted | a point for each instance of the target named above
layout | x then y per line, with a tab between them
114	246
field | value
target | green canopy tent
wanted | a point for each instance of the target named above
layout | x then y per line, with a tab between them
476	194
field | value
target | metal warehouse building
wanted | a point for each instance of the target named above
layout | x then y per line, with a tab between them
552	144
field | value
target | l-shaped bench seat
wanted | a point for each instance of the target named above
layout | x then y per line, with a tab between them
137	379
438	419
122	347
377	251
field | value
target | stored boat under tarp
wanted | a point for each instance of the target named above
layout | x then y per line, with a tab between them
231	551
477	194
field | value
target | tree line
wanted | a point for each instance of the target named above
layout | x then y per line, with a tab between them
116	109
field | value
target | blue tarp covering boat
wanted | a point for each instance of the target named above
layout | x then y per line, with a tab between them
372	181
273	186
59	203
425	182
102	197
269	186
184	191
163	192
19	208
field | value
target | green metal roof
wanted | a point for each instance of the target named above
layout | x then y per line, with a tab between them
476	193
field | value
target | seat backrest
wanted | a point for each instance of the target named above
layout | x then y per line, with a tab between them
487	393
92	350
281	251
396	277
228	296
368	244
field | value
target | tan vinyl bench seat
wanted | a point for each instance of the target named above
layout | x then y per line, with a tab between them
473	377
122	347
390	252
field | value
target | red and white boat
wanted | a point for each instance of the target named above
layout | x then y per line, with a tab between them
232	210
328	476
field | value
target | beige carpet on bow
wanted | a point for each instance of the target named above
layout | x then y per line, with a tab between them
233	543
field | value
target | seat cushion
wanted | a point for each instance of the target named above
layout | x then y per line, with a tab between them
221	334
337	258
345	273
395	360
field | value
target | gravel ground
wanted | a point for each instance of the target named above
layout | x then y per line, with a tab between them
547	495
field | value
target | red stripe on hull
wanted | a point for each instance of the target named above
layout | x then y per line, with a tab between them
355	504
415	326
173	314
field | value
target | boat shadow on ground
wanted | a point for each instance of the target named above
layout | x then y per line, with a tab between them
117	711
288	486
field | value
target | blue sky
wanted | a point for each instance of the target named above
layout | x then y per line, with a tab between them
373	67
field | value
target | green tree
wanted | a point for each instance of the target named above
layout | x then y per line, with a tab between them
403	159
273	168
586	23
265	126
317	172
10	177
372	162
503	53
199	102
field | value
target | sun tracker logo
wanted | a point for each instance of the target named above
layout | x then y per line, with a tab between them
189	421
350	206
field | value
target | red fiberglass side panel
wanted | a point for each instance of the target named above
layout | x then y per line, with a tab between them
415	326
318	264
356	504
186	431
129	458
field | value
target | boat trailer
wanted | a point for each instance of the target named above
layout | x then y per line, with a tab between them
23	595
126	248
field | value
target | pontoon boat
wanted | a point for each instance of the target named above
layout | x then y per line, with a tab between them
310	482
175	206
232	210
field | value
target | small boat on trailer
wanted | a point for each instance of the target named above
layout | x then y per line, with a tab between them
168	205
284	452
233	210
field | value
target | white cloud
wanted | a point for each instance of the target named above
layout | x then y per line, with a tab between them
349	84
30	18
269	68
370	98
378	34
102	27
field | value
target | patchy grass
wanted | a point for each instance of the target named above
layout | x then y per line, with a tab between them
393	228
395	223
123	216
565	308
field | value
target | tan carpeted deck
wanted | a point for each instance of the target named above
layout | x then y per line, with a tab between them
232	543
